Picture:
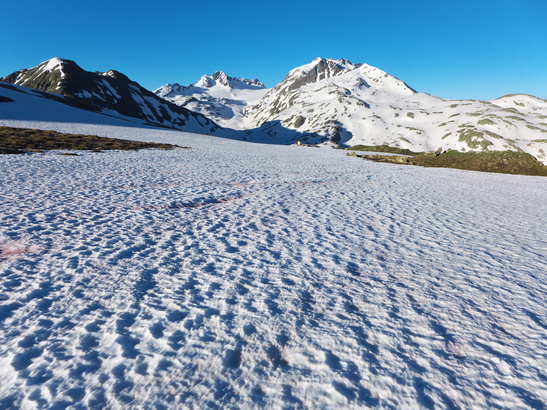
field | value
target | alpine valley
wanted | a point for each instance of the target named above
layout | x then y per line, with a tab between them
327	101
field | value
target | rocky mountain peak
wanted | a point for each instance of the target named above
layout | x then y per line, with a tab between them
319	69
111	92
220	77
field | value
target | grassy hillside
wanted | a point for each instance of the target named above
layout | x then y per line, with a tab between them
505	162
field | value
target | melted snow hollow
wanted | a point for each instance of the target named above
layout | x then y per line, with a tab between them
245	275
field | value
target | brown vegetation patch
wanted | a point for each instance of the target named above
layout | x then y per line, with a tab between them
504	162
21	140
383	148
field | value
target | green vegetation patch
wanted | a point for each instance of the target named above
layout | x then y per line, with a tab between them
383	148
474	139
494	135
505	162
532	127
21	140
511	110
486	121
299	121
418	131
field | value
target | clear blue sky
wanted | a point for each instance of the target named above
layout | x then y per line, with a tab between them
479	49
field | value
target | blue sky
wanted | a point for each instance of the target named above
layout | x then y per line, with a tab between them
476	49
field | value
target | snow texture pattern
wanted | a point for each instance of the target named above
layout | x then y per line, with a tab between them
238	275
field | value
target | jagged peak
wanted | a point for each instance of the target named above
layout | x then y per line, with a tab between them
205	81
220	77
321	64
319	69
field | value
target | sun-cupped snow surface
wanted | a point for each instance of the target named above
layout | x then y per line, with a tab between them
243	275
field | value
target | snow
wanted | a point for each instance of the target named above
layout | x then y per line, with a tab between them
245	275
223	100
368	106
111	89
306	68
84	94
52	64
32	107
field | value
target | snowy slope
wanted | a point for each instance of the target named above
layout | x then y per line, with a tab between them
335	100
220	97
111	92
245	275
25	104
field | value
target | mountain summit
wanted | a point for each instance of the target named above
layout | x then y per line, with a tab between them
337	101
111	92
220	77
220	97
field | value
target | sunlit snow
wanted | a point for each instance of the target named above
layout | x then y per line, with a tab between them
239	275
51	64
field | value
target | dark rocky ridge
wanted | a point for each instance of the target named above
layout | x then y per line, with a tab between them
107	91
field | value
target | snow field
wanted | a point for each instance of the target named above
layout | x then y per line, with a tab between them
246	275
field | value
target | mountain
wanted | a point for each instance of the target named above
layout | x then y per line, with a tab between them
19	103
337	101
110	93
220	97
326	101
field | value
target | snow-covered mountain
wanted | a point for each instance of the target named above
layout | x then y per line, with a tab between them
335	100
331	101
220	97
111	93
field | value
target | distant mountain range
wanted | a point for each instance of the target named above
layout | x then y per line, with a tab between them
326	101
